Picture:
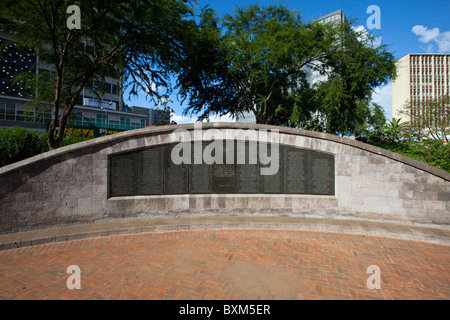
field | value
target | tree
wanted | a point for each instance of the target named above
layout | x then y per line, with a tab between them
255	62
260	62
395	129
430	119
139	40
354	71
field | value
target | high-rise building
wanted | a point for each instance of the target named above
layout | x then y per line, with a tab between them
421	78
246	117
313	76
97	116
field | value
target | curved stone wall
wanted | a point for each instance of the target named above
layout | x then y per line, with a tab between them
70	185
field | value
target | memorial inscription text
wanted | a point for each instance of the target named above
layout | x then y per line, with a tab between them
151	172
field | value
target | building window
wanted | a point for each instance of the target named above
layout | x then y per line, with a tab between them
115	89
10	112
100	120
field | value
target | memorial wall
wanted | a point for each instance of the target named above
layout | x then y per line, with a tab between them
139	174
152	172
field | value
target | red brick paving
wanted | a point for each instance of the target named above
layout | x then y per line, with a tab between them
227	264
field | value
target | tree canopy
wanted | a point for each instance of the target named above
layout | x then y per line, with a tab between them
260	60
140	40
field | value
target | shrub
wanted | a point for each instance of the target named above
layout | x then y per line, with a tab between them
19	143
71	139
433	152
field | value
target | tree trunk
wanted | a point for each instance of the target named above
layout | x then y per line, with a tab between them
51	141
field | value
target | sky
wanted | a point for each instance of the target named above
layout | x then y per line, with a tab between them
407	26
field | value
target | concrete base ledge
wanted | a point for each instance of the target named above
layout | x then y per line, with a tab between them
428	233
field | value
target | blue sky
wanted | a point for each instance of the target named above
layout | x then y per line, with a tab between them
407	26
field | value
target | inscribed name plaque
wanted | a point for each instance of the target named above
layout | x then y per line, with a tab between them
124	175
176	176
223	174
296	173
273	183
247	169
200	177
224	178
152	172
247	178
322	174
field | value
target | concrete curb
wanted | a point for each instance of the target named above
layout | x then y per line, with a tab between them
440	235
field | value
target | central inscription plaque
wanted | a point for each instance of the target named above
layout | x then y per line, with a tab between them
152	172
224	178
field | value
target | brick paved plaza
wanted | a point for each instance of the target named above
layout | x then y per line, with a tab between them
228	264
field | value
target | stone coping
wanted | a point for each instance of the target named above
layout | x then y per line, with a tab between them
151	131
418	232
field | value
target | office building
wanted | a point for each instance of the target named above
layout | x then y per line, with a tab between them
421	78
246	117
107	113
313	76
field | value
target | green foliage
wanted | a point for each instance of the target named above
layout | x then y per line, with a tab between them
20	143
354	70
253	64
430	119
140	41
259	63
74	138
389	137
433	152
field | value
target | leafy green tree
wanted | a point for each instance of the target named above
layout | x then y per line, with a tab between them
260	63
430	119
139	40
354	71
254	62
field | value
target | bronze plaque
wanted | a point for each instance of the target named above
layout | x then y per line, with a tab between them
296	172
200	176
176	176
150	172
123	180
322	173
224	178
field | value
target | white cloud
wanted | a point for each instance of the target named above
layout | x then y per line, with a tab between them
383	97
426	35
444	42
433	37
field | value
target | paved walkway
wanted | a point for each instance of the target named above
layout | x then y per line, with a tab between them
228	264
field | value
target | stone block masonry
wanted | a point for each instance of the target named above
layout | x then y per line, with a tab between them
71	185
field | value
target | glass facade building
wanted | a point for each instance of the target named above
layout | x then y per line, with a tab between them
108	113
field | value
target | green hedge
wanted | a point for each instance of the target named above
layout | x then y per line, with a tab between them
432	152
20	143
